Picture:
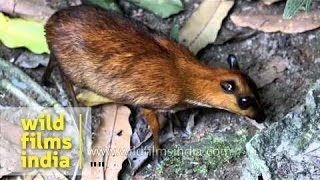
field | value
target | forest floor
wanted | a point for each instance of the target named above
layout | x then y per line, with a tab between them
284	65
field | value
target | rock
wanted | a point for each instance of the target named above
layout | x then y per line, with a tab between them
273	70
31	60
289	148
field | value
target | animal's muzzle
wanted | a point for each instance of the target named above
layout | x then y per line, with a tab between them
259	117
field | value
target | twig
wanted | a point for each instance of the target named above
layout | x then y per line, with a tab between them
60	88
11	71
74	176
6	85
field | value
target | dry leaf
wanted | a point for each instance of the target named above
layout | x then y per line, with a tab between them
268	2
113	136
10	158
267	22
11	132
89	98
52	174
31	175
38	177
203	26
28	9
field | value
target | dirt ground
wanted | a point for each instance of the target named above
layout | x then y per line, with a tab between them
283	65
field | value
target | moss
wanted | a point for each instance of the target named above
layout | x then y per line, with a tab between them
302	142
204	157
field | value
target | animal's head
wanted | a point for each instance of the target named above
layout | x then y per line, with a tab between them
234	91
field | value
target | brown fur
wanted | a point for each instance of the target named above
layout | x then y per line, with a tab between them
120	59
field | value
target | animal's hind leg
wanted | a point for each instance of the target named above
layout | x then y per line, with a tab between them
47	73
68	85
70	91
153	122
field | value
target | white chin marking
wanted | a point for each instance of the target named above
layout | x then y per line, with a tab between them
198	103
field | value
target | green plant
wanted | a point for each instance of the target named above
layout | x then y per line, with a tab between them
203	158
293	6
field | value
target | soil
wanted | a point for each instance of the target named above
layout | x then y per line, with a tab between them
285	65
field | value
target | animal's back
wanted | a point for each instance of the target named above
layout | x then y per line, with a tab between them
113	56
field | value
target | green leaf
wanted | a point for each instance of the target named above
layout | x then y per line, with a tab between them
162	8
292	7
308	5
22	33
105	4
175	30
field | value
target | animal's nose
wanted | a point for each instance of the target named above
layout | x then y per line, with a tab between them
259	117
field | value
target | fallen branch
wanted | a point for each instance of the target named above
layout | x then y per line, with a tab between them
10	72
6	85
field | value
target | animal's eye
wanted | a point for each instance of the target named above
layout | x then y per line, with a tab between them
245	102
228	86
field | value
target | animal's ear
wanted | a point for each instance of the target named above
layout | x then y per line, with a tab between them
233	62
